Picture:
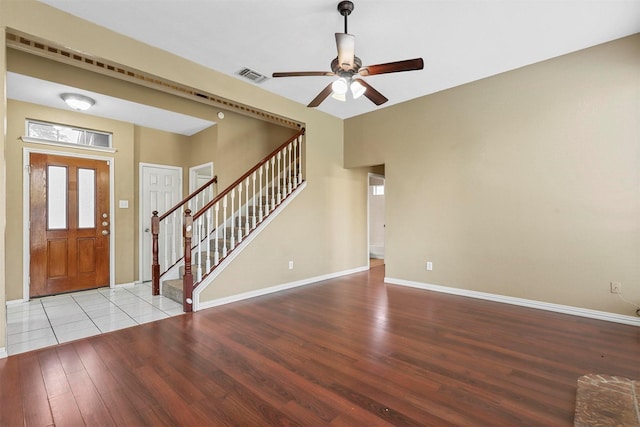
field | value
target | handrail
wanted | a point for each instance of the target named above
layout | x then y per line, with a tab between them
214	231
226	191
155	231
188	198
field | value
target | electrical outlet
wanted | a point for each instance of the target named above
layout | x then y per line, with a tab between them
616	287
290	265
429	265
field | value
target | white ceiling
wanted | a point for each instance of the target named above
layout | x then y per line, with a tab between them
460	40
41	92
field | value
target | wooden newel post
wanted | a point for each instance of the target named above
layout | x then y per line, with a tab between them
155	266
187	279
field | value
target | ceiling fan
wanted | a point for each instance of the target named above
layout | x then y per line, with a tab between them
348	68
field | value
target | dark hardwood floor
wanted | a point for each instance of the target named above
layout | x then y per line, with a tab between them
346	352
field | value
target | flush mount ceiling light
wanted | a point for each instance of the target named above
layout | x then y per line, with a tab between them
77	101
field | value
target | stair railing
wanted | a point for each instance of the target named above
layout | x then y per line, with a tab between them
269	182
214	231
167	249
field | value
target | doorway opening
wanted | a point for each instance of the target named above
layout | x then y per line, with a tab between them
376	220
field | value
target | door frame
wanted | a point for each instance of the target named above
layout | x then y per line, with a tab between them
141	198
26	212
193	174
369	176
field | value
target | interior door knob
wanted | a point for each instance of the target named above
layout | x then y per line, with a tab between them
105	232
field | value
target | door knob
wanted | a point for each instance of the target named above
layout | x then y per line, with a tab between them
105	232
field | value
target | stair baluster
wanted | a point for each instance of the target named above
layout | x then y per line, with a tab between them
246	203
295	163
224	230
273	179
216	246
277	181
253	214
260	216
208	237
232	244
235	224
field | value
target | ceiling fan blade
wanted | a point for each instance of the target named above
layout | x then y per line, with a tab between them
321	96
303	74
346	44
392	67
375	96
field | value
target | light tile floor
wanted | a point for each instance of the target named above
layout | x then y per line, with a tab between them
57	319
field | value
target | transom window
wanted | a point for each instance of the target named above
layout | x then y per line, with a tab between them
64	134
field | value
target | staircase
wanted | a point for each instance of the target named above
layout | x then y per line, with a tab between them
215	232
173	288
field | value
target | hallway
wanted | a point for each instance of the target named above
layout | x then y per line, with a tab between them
52	320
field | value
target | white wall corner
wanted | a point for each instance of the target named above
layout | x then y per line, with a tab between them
557	308
3	353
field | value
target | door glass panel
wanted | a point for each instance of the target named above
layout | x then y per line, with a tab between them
86	198
57	197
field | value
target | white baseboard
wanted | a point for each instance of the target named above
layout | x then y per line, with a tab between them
558	308
16	301
3	353
278	288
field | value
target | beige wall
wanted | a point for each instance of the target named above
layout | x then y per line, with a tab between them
323	230
240	140
3	185
525	184
325	227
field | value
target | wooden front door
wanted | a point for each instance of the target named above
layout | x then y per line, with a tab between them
69	224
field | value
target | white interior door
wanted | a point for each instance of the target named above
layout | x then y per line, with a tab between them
160	190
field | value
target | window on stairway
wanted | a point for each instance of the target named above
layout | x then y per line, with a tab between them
64	134
378	190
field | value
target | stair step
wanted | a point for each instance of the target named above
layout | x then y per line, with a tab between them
172	289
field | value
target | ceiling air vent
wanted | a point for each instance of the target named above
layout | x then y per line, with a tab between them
254	76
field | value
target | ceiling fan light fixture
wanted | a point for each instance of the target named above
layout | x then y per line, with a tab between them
340	86
347	67
357	89
77	101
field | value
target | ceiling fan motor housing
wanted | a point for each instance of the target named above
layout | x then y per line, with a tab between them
340	71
